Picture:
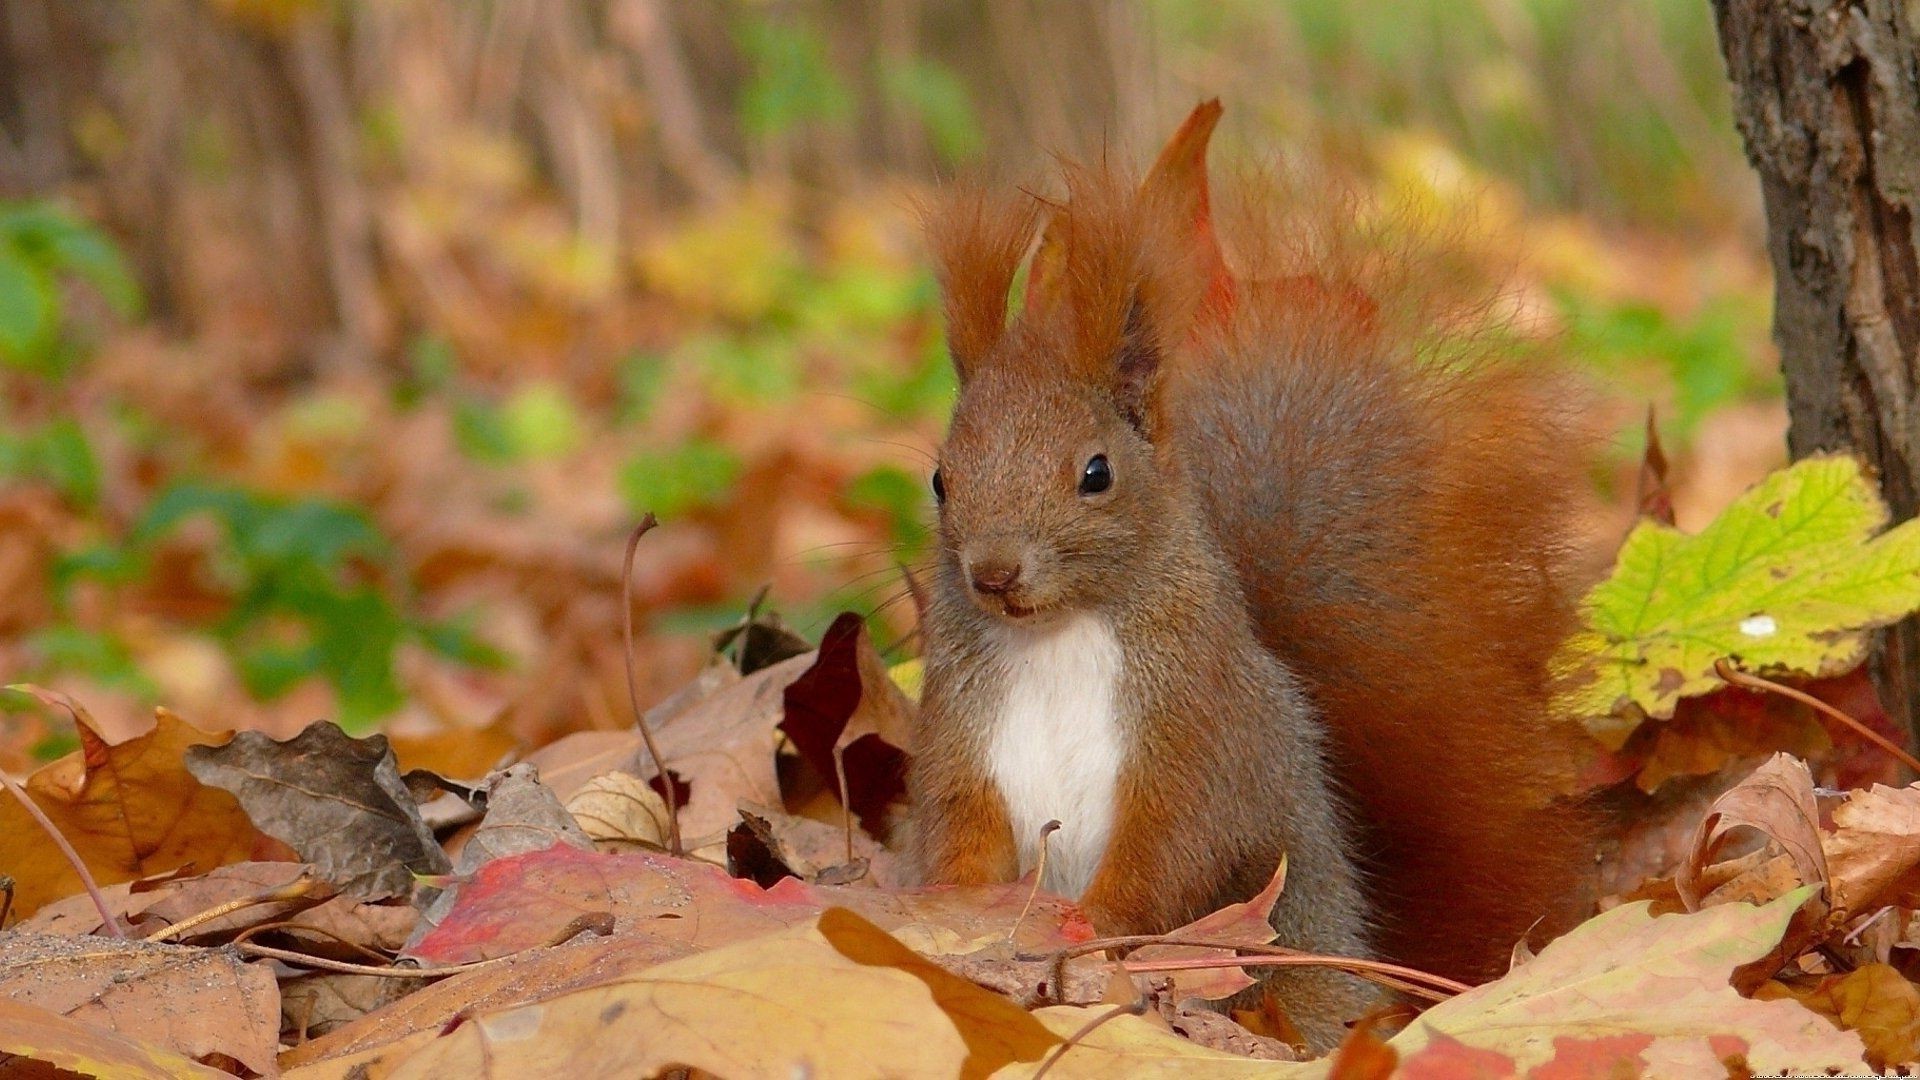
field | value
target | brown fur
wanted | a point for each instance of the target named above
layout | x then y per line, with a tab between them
1331	556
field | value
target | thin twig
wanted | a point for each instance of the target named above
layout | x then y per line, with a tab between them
1210	963
1039	872
1133	1008
292	890
253	948
73	857
1734	675
846	804
308	928
672	797
1374	970
599	922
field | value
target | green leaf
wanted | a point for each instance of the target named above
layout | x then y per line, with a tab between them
671	482
26	307
1788	579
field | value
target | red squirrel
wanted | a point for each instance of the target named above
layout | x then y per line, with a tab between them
1242	564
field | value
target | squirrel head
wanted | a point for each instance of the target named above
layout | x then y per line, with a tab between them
1056	479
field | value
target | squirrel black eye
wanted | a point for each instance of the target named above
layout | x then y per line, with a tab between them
939	488
1097	477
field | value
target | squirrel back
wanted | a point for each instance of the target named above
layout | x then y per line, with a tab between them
1344	571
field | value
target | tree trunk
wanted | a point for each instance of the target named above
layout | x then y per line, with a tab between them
1827	97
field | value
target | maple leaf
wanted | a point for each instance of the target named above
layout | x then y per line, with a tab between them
1665	978
1788	578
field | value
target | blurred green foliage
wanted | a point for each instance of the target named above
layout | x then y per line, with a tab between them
307	588
42	249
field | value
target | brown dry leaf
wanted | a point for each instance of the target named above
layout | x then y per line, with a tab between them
1876	1001
619	808
522	815
769	844
723	745
191	1001
323	1001
1245	923
1775	800
1665	980
338	801
525	977
88	1050
836	997
1874	850
131	810
160	904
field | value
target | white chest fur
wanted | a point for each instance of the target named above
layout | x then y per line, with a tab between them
1056	748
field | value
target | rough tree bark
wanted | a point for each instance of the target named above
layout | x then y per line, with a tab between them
1827	97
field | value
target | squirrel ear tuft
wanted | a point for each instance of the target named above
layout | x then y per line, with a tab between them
978	241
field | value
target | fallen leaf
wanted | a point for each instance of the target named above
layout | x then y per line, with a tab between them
1875	1001
835	997
337	801
1874	850
87	1050
1788	578
522	901
1666	977
522	815
1245	923
844	713
769	844
191	1001
723	745
130	811
525	977
620	808
1135	1047
1775	800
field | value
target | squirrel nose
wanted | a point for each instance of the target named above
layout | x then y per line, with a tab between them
995	578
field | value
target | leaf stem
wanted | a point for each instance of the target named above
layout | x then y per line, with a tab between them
633	686
1734	675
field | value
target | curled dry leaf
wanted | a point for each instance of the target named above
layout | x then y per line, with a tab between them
37	1035
1664	979
130	810
833	997
1776	800
190	1001
337	801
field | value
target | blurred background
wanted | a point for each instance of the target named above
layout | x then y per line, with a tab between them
342	341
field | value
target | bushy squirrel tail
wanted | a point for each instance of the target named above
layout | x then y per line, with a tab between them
1396	487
